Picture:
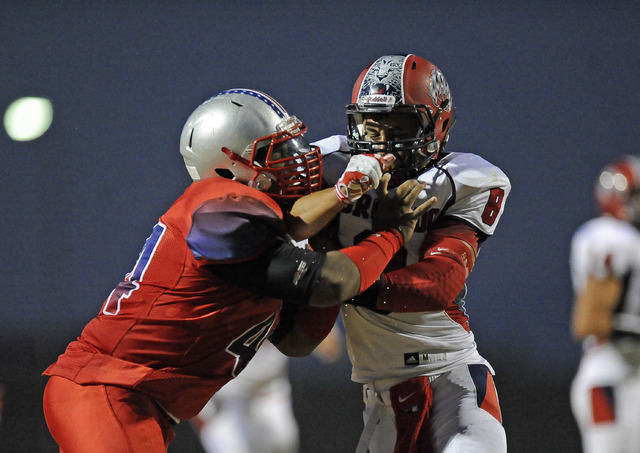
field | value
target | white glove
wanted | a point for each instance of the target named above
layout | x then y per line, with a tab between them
363	172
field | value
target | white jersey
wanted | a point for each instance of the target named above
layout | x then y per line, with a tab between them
604	247
403	345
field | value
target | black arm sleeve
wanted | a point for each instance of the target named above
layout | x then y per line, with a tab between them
283	271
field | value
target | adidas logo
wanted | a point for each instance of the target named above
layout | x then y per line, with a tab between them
412	358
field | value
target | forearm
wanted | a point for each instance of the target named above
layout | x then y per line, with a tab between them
434	282
430	285
312	213
352	270
302	328
297	344
594	306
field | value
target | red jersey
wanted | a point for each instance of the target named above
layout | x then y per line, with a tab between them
173	329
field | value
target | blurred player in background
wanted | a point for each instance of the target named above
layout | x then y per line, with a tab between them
426	388
254	412
219	275
605	270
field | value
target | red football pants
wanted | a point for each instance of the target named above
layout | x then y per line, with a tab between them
104	419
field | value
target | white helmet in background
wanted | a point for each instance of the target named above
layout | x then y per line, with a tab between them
246	135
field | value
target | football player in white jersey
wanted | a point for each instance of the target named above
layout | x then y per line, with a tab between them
605	270
426	388
254	412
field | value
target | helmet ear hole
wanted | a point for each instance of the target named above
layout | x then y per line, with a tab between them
224	173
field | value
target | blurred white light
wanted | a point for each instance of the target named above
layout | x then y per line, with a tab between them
606	179
620	182
28	118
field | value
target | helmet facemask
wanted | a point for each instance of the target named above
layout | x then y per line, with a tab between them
287	165
406	131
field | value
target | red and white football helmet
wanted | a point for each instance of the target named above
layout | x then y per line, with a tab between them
247	136
402	85
617	189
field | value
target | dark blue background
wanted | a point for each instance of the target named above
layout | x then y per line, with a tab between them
548	91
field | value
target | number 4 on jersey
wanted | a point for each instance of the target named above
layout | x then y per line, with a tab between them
246	345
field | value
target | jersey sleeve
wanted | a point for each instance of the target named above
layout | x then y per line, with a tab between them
433	282
481	190
335	157
233	228
331	144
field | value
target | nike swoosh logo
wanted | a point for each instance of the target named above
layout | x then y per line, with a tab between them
402	399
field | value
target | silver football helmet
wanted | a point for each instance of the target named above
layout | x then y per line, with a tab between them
246	135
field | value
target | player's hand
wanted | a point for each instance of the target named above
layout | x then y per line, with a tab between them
396	211
363	172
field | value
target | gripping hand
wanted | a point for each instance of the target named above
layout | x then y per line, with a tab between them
363	172
396	211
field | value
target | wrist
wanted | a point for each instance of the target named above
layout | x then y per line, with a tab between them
340	195
368	298
397	231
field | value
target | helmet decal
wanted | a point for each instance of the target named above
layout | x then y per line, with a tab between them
439	89
263	97
384	77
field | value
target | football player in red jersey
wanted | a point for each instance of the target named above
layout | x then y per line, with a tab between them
426	387
219	274
605	271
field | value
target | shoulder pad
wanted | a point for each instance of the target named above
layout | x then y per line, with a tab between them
471	170
335	157
480	190
233	227
605	246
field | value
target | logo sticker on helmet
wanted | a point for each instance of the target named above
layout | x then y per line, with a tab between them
439	90
384	77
